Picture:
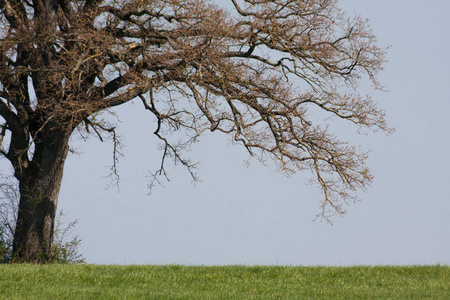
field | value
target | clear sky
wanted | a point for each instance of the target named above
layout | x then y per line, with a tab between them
254	215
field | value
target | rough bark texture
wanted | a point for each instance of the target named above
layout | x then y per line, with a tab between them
39	189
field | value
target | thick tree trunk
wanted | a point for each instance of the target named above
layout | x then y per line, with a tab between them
39	190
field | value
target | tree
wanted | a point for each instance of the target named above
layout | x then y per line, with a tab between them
65	247
251	73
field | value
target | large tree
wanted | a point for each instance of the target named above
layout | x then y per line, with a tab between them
252	73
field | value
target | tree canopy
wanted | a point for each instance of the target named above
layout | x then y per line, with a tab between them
253	72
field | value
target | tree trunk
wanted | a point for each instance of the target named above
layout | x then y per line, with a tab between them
39	189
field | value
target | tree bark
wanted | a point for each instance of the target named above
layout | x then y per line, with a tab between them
39	187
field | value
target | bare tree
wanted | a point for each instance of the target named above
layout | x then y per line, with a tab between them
251	73
9	200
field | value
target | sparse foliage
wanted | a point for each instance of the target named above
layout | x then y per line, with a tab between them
253	74
66	247
9	199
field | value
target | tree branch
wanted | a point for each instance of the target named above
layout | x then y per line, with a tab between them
11	118
15	13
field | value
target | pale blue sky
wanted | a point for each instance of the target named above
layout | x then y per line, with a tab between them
253	215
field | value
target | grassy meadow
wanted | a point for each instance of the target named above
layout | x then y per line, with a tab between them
55	281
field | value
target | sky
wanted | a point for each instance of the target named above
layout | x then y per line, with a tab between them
252	215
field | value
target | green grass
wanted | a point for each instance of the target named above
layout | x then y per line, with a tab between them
228	282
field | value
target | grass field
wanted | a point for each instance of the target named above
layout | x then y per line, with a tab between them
228	282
